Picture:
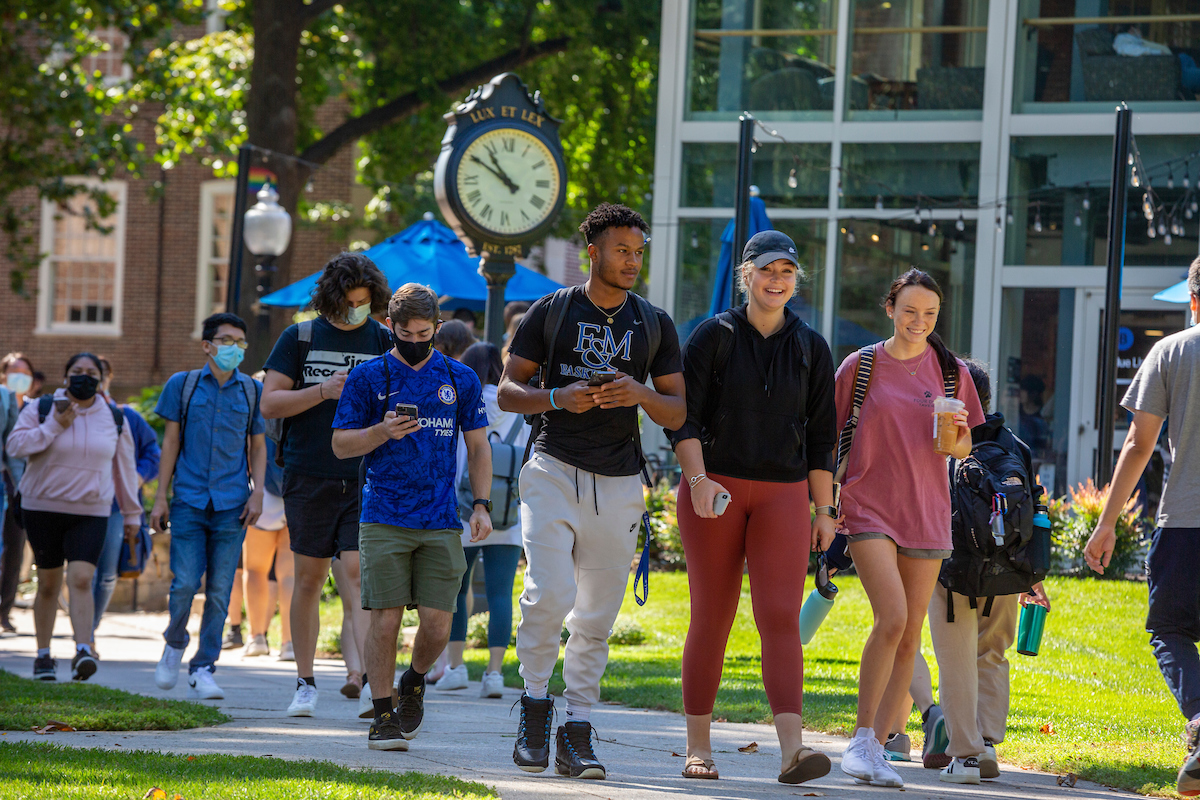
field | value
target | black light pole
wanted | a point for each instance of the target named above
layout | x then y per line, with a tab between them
233	280
741	218
496	271
1112	294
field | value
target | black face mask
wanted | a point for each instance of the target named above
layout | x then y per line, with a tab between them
413	353
83	387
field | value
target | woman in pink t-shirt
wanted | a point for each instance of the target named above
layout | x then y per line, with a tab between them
895	503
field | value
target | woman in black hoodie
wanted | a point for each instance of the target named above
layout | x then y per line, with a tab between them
761	428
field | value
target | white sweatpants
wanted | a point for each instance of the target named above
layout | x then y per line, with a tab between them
580	531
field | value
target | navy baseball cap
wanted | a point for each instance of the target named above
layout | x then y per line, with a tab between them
767	246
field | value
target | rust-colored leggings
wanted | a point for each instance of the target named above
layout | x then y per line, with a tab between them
767	527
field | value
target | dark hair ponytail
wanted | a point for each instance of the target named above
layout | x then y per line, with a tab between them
916	277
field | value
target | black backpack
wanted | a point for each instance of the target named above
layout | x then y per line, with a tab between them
996	479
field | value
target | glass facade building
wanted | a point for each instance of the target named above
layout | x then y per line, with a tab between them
970	138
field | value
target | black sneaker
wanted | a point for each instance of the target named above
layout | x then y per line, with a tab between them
385	733
574	755
45	668
532	750
411	710
83	666
233	638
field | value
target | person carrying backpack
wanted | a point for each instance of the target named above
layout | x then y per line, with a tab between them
79	456
212	472
16	370
501	551
973	613
895	500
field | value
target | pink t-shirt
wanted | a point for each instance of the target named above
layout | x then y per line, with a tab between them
895	483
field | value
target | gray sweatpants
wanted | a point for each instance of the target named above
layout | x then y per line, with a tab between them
580	531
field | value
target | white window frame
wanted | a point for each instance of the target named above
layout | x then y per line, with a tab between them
126	71
46	325
208	191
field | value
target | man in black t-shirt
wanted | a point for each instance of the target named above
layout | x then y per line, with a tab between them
581	494
305	375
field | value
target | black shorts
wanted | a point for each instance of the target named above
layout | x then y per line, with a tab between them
56	537
322	514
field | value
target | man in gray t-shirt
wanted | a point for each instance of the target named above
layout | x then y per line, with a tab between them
1167	386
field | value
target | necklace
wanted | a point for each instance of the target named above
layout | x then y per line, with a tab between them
607	315
921	364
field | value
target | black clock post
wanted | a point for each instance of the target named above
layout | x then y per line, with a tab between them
500	181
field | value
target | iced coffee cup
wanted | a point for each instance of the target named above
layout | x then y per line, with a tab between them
945	432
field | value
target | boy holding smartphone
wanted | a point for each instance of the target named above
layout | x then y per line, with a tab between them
402	413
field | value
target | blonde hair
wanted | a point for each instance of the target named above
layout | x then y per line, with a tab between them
414	301
743	284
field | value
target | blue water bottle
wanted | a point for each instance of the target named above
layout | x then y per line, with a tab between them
816	608
1040	545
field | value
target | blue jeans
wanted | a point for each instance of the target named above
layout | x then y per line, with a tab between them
1174	617
203	544
499	569
105	579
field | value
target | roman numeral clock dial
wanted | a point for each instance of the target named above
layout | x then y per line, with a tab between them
507	181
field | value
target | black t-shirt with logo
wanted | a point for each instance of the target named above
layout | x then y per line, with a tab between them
308	448
599	440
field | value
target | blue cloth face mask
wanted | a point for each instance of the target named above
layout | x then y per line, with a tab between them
228	357
358	314
18	382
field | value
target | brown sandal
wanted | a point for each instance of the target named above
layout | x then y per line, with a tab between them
696	762
353	687
805	765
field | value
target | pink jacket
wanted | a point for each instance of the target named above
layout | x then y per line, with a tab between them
77	469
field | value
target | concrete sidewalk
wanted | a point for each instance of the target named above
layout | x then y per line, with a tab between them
464	735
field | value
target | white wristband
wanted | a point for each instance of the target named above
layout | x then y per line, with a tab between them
695	479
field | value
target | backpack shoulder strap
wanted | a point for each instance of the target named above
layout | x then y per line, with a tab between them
648	314
862	382
725	335
44	403
304	331
185	400
805	334
118	418
556	315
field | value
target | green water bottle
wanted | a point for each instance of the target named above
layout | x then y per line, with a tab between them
819	603
1029	631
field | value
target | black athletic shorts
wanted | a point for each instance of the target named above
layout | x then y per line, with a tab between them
57	537
322	514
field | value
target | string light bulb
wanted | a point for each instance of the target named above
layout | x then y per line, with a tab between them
1150	232
1037	218
879	202
1170	179
841	193
1131	159
932	230
1134	180
1087	203
1167	240
1147	207
1078	220
850	235
960	224
1162	227
1009	217
792	180
917	213
695	241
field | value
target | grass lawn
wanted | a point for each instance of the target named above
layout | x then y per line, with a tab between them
1095	683
27	703
45	770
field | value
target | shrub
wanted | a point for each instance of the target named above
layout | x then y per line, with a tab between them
626	631
144	404
477	630
666	548
1071	538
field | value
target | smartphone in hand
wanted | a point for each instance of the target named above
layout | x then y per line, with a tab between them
721	502
61	404
406	410
601	378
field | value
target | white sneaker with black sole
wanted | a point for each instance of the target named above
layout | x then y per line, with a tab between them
304	702
961	770
203	687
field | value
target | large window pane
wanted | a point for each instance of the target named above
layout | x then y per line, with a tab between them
1108	57
879	254
917	59
1059	199
772	57
700	249
894	174
710	175
1033	378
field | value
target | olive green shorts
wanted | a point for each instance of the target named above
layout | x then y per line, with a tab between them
409	567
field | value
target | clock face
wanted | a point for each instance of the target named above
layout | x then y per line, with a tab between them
508	181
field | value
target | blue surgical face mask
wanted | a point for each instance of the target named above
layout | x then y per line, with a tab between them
228	357
18	382
358	314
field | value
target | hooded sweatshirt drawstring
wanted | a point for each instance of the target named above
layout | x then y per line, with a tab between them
595	491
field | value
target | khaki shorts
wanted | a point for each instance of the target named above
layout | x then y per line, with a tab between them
910	552
409	567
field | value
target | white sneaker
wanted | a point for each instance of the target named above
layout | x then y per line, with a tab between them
166	674
884	773
366	708
857	759
203	687
452	678
257	646
304	703
961	770
286	653
989	766
493	685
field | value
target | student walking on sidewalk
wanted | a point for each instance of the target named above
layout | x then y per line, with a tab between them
16	370
306	373
79	456
581	495
760	435
214	462
895	502
1167	387
402	413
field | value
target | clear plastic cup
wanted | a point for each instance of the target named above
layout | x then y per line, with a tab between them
945	432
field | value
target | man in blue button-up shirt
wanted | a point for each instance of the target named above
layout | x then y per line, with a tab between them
213	427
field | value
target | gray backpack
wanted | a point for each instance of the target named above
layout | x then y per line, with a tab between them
507	459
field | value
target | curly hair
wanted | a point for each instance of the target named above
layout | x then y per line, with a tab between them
344	272
607	215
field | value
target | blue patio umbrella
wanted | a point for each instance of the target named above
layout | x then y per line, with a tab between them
723	286
430	254
1179	293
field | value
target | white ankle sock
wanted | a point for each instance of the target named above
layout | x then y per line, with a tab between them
577	713
538	692
43	652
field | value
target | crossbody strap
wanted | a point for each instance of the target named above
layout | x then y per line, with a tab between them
862	382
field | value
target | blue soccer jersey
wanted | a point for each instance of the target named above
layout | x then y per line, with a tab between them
410	482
